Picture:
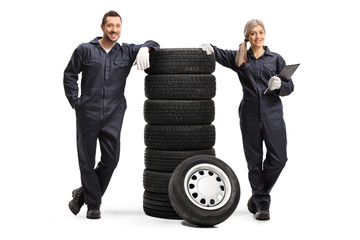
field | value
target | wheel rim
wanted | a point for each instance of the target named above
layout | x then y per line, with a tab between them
207	186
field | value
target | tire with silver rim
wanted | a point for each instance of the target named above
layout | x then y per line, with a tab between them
204	190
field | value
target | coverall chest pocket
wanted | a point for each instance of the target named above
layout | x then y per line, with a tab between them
269	71
247	71
122	67
91	67
121	63
246	67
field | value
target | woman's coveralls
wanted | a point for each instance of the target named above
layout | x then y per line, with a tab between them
261	118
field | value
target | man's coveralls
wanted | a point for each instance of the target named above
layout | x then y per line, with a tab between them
99	109
261	118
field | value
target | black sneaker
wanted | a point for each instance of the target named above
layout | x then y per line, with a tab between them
262	212
251	206
78	200
93	212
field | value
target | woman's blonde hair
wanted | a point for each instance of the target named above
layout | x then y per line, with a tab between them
241	55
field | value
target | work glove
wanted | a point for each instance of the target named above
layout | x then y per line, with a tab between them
206	47
142	59
274	83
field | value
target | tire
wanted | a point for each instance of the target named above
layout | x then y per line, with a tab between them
179	112
158	205
179	137
204	190
156	182
180	87
167	161
180	61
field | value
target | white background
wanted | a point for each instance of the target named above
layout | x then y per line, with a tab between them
317	194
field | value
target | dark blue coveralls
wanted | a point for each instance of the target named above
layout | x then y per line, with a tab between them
99	109
261	118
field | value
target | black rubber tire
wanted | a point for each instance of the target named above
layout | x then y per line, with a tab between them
179	137
156	182
180	61
167	161
179	112
180	86
186	208
160	214
158	205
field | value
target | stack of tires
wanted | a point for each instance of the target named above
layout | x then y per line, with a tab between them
179	112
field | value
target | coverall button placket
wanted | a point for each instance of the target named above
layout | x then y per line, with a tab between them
260	91
257	67
106	79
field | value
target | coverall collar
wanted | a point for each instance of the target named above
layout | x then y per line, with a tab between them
267	52
96	41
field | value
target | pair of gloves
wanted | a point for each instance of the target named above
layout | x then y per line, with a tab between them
274	82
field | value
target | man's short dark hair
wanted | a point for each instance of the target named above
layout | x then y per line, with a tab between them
110	14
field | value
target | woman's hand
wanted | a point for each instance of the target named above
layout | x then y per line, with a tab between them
274	83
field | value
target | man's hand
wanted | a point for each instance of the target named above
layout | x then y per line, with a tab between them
207	48
142	59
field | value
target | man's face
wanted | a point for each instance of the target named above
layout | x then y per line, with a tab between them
112	28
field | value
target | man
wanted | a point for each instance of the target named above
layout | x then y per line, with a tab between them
105	65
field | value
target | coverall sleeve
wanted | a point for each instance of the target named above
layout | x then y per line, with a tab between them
71	76
287	87
134	49
225	57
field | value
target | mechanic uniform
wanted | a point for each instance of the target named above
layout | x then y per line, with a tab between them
99	109
261	118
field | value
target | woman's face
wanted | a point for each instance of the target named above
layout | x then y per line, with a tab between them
257	36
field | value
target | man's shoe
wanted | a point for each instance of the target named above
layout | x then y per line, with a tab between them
251	206
262	212
78	200
93	212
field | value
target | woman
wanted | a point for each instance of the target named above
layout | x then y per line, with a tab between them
260	111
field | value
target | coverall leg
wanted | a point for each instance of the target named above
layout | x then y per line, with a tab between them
263	174
109	139
90	128
87	131
276	156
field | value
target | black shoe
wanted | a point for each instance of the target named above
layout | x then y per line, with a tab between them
262	212
78	200
251	206
93	212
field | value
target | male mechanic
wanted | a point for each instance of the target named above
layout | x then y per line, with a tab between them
105	65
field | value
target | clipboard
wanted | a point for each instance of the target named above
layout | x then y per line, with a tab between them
286	73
